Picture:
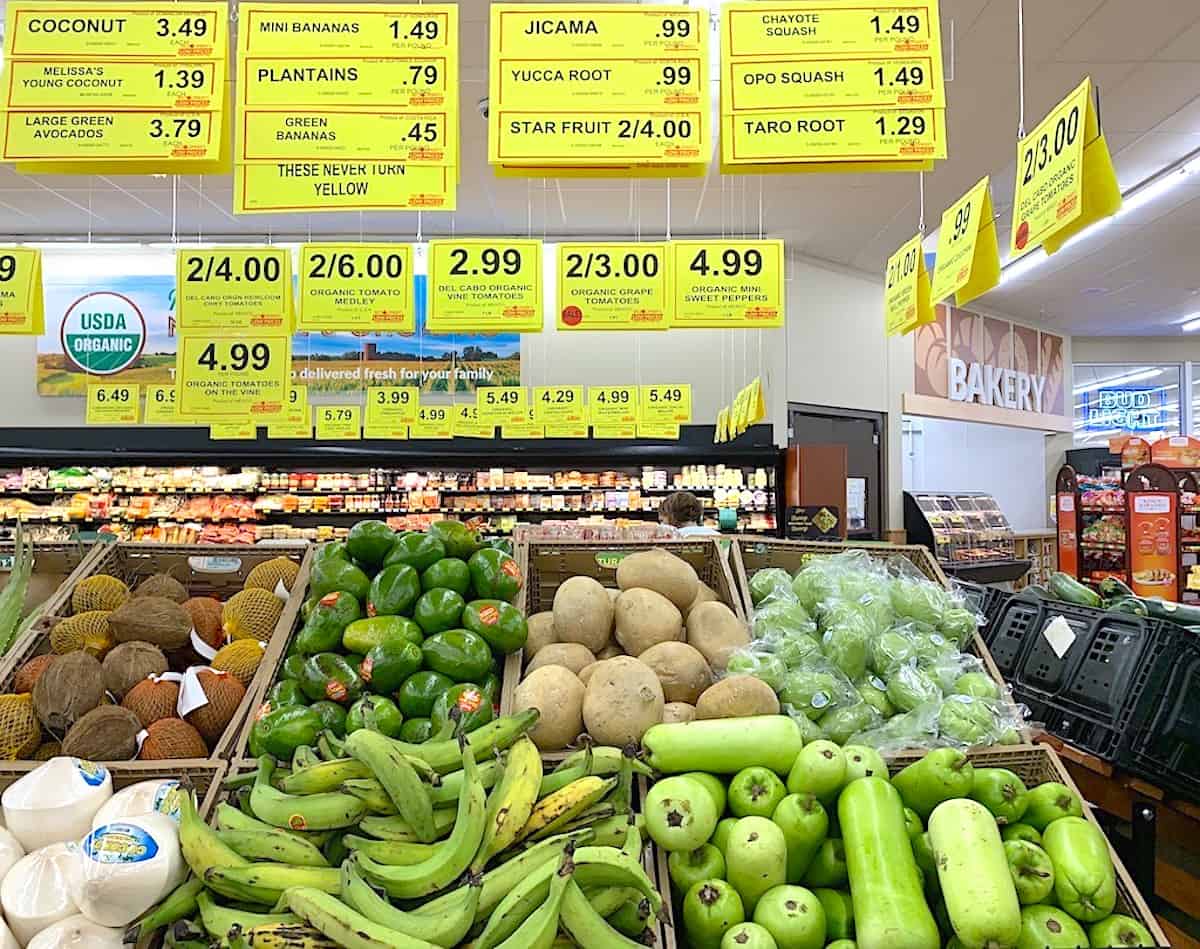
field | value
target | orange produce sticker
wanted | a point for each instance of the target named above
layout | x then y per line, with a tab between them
335	690
489	615
367	667
470	701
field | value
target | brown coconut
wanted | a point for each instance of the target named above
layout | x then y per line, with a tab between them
225	694
205	612
108	733
150	701
71	687
129	664
164	585
172	738
27	676
152	619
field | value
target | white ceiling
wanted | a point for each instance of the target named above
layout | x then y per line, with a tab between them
1139	276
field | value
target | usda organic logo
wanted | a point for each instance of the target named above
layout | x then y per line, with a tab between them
103	333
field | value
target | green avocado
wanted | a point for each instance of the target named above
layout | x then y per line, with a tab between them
419	691
330	676
438	610
370	541
281	731
363	635
393	591
419	551
500	623
449	573
387	665
291	666
470	699
462	655
333	574
416	730
334	550
328	620
285	692
376	712
495	575
458	540
333	716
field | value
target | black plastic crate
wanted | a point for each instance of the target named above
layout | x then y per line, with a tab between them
985	600
1089	695
1163	744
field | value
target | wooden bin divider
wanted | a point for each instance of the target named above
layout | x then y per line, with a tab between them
546	565
211	570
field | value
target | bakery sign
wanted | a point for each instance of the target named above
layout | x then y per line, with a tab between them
993	385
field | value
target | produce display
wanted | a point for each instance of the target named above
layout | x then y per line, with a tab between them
399	631
1113	595
776	842
414	846
150	672
613	662
865	652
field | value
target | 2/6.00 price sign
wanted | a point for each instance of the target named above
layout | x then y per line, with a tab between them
356	287
217	378
234	291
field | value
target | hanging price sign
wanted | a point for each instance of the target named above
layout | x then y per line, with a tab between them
22	311
728	284
906	301
184	31
339	423
125	136
525	427
834	27
113	404
500	405
613	410
485	286
243	431
297	419
469	424
342	186
357	288
233	291
613	286
160	407
220	378
127	84
414	138
721	431
347	29
433	421
391	410
559	406
761	83
968	256
662	404
836	134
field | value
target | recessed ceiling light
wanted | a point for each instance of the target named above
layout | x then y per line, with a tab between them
1191	324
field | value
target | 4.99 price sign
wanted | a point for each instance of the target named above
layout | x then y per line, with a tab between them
728	284
218	378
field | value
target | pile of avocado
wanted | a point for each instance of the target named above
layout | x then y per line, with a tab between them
398	630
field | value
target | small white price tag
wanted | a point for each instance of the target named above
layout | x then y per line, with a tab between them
1059	635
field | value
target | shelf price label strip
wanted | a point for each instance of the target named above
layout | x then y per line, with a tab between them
433	421
597	85
339	423
391	410
485	286
109	404
22	306
968	255
356	288
906	299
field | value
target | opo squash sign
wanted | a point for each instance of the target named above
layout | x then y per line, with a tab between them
103	333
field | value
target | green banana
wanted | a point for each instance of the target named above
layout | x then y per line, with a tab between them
328	811
397	828
278	846
496	735
304	757
293	935
608	866
264	883
325	776
622	796
446	791
201	846
603	761
446	929
372	794
452	856
613	831
398	777
345	926
632	845
183	934
541	926
392	852
511	801
218	920
517	906
564	806
587	927
631	918
603	811
179	903
606	900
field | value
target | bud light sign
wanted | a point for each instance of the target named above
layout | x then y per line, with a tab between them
1128	410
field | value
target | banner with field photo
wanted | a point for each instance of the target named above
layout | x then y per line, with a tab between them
110	317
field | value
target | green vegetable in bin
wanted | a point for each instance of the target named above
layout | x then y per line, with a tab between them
292	665
393	591
333	574
472	701
285	692
376	712
417	550
460	654
365	634
333	716
419	691
416	730
328	620
458	539
439	610
770	583
370	541
494	575
279	732
498	622
386	667
449	573
766	666
330	676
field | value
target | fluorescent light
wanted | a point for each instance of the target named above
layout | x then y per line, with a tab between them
1116	380
1191	324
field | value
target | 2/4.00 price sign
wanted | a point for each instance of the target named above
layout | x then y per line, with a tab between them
234	291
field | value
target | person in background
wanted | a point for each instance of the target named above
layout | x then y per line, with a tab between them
683	511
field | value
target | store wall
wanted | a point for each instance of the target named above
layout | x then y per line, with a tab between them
1127	349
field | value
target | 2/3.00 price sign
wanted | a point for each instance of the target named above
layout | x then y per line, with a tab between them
485	286
357	288
613	286
728	284
217	378
234	291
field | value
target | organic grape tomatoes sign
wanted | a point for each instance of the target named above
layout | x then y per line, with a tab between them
218	378
234	290
357	288
613	286
728	284
485	286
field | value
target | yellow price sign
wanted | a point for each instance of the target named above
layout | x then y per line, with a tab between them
612	407
615	431
485	286
525	427
433	421
501	405
728	284
662	431
92	134
665	403
721	430
241	430
798	82
567	430
391	410
296	421
415	138
832	27
218	378
234	291
22	308
339	423
113	404
613	286
160	407
341	30
469	424
413	82
968	256
834	134
162	84
342	186
1049	182
188	31
629	135
559	406
550	30
356	287
906	300
667	83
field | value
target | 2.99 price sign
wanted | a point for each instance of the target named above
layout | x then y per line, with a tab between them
232	291
356	288
485	286
218	378
728	284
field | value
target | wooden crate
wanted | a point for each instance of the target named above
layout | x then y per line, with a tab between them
749	556
546	565
206	570
55	564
